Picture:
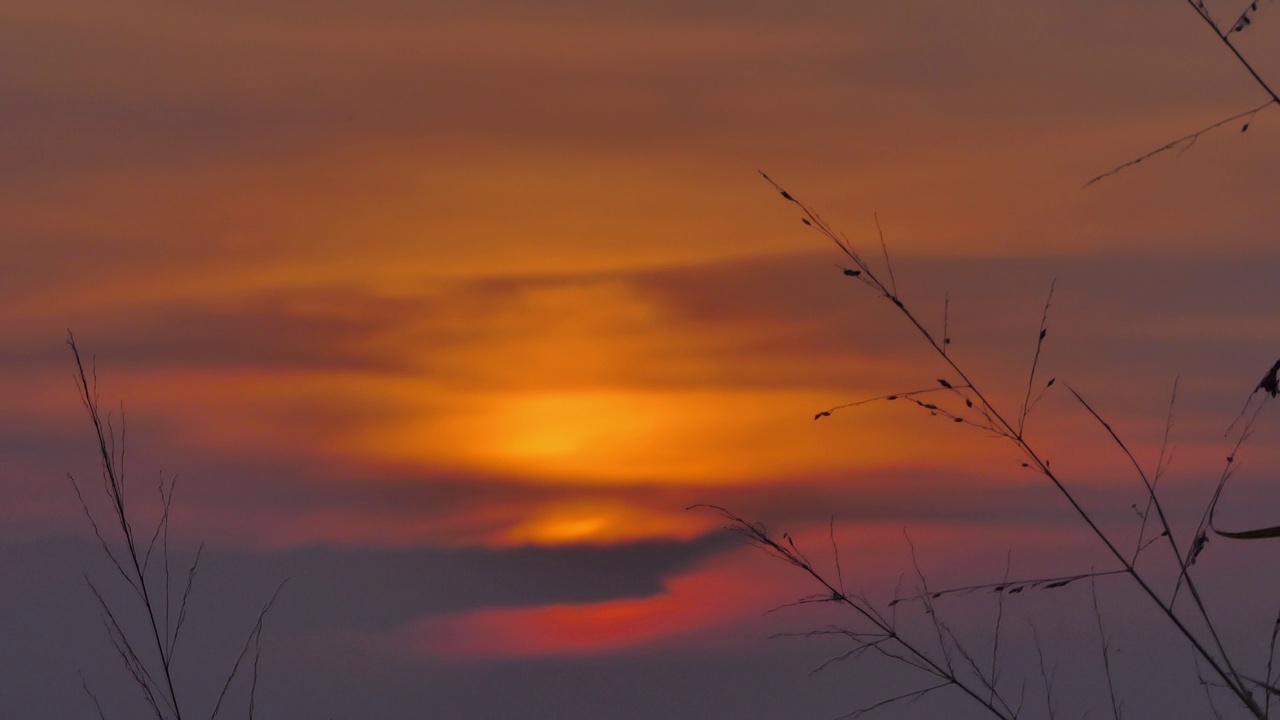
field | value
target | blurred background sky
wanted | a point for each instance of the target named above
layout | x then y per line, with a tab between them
446	312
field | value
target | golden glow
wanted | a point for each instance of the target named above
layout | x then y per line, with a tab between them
599	521
562	430
677	436
509	285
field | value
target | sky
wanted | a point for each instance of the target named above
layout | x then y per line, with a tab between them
447	312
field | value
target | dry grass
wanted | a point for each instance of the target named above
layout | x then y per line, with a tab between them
146	569
941	654
938	651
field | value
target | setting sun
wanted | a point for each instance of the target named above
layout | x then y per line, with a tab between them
606	521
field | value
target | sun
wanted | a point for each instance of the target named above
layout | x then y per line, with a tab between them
560	428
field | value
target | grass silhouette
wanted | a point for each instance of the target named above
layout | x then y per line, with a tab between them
938	652
948	661
144	566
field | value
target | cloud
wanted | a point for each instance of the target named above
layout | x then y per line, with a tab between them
699	601
777	320
595	406
370	588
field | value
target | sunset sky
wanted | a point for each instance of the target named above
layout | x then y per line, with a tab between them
447	312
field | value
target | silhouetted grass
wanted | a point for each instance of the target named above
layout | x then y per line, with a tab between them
1224	32
960	399
144	566
948	662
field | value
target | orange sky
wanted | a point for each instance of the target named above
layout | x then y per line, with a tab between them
490	276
